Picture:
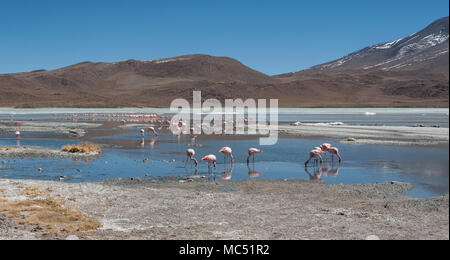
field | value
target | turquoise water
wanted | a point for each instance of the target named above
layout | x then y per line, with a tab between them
130	156
125	154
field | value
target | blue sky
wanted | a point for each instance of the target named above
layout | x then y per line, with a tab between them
270	36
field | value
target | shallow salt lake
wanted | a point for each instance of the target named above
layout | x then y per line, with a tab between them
365	116
125	154
130	156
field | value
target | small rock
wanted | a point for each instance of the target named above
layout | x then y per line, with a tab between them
185	180
72	237
372	237
351	140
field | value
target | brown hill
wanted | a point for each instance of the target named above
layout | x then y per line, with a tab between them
409	72
131	83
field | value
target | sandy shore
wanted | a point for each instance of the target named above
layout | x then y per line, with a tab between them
41	152
196	209
62	128
388	135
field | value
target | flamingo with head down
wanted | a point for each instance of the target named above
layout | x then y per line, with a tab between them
334	151
152	129
315	153
252	152
211	159
227	152
190	153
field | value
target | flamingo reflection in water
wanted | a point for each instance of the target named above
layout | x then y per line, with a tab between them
331	169
323	169
252	173
227	174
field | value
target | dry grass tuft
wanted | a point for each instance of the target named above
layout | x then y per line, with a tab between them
32	191
49	215
82	148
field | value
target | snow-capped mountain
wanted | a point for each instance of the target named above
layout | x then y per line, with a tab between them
415	51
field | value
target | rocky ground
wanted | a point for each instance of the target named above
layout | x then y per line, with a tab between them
385	135
42	152
198	209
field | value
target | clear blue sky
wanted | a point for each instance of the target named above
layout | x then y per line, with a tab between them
270	36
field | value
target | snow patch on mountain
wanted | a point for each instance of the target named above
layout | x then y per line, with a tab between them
387	45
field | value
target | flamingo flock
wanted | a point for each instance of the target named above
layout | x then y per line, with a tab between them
211	159
315	154
324	148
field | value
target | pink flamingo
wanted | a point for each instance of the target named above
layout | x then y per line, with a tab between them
252	152
152	129
334	151
211	159
227	152
314	154
325	147
190	154
142	132
17	134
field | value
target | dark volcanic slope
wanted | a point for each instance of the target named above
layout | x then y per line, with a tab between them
412	71
416	51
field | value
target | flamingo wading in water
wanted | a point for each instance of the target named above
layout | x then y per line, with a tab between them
314	154
227	152
152	129
334	151
211	159
252	152
190	153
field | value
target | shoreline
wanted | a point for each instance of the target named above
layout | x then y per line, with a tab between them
251	209
359	134
330	110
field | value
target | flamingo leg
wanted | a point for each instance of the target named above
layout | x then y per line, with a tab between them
309	159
